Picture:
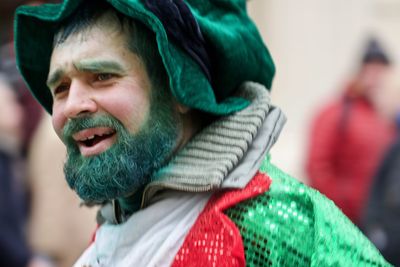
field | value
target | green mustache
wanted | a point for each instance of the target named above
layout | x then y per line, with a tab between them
78	124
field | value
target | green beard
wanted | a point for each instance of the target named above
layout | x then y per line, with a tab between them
128	164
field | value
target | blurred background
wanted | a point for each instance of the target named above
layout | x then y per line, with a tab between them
318	47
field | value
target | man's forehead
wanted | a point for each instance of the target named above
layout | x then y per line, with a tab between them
106	22
98	38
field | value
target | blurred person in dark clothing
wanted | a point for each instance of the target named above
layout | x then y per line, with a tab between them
381	222
14	250
18	116
349	136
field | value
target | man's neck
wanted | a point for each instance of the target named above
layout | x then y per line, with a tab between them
129	204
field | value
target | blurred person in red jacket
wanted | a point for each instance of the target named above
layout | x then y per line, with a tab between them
349	136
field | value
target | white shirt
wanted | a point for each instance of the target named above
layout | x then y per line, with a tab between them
150	237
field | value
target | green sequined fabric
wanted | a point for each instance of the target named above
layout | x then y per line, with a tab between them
294	225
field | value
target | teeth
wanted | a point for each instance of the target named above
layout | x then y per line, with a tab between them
88	138
108	133
92	136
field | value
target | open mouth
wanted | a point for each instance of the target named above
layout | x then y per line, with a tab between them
94	141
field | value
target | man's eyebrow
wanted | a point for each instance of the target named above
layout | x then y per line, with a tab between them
99	66
54	77
90	65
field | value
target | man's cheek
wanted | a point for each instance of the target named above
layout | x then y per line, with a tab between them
58	127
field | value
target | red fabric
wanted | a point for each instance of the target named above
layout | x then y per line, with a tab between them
214	239
347	143
93	237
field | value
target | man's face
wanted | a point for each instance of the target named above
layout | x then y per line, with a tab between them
370	78
93	72
117	131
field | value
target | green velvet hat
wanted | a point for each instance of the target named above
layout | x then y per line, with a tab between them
234	44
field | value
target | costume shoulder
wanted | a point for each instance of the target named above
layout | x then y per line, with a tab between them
294	225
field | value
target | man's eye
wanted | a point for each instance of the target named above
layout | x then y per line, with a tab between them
61	88
104	76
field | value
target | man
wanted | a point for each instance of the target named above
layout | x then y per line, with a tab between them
346	145
163	131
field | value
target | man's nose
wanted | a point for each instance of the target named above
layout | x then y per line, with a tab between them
80	100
